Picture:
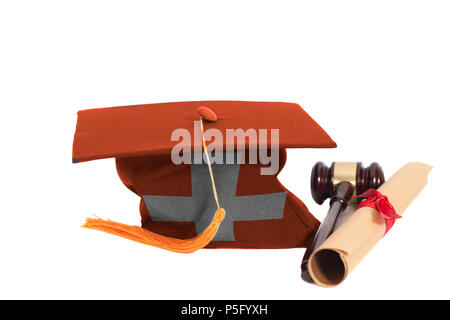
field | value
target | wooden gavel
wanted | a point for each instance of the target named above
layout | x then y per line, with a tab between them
339	182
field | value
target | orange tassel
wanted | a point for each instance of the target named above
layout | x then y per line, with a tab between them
141	235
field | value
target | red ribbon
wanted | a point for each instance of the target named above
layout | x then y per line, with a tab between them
379	202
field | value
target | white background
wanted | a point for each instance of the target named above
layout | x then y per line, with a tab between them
374	74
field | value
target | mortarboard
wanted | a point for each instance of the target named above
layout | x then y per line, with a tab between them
178	198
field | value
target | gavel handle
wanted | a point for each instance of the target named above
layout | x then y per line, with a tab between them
338	203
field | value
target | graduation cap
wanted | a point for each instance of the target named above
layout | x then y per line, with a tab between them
201	170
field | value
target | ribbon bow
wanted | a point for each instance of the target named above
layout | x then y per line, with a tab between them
379	202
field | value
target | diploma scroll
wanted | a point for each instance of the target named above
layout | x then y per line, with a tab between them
333	261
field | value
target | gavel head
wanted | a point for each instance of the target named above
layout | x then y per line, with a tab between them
325	179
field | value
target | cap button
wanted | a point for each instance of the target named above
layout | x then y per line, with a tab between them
207	114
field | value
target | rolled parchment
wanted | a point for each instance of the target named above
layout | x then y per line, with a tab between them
333	261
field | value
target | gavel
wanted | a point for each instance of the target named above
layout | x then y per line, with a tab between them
340	183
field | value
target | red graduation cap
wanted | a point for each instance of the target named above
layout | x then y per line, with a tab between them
178	200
